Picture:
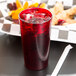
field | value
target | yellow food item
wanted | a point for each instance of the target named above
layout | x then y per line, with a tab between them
19	5
32	5
26	5
16	13
36	4
42	5
11	12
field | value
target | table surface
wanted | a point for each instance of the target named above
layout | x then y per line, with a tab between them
12	62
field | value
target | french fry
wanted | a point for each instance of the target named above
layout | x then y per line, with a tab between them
16	13
26	5
19	5
32	5
11	12
36	4
42	5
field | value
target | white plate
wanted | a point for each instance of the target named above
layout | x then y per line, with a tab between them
58	33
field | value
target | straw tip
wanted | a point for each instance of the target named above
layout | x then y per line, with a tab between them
69	46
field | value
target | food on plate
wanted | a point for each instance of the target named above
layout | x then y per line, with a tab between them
26	5
58	8
12	6
33	5
61	16
60	21
42	5
17	7
71	11
70	21
15	13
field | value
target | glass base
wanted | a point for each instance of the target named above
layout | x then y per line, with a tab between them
36	68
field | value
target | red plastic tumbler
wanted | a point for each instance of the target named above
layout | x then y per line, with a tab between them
35	35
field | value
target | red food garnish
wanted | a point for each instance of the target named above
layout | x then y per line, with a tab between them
61	21
11	6
14	6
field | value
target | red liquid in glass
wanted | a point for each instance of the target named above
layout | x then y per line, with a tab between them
35	34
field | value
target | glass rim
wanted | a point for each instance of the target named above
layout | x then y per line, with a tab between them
34	8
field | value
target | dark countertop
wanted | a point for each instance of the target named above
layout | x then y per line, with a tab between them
12	63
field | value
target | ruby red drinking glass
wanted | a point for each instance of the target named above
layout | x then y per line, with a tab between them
35	35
